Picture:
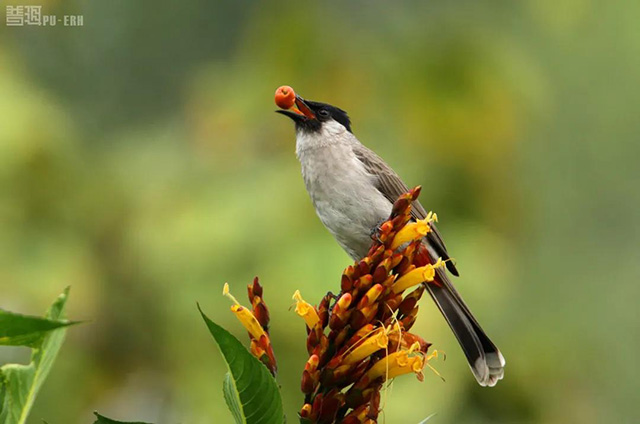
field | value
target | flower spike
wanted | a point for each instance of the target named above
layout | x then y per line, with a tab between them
360	338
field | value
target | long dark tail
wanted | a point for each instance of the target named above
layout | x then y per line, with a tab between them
485	360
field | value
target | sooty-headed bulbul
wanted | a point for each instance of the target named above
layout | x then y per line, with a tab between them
353	190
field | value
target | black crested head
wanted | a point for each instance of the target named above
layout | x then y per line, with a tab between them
322	112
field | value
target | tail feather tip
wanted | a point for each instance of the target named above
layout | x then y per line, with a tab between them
489	370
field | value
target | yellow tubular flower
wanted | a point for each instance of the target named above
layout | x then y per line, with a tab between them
371	295
244	315
343	303
376	341
414	230
248	321
306	310
396	364
361	414
306	410
414	277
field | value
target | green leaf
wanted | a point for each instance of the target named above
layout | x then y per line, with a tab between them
233	401
19	384
249	389
100	419
24	330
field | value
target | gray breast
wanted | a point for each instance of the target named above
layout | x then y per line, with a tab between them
344	195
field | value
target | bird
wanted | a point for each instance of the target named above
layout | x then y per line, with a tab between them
353	190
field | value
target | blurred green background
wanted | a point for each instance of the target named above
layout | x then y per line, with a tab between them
142	164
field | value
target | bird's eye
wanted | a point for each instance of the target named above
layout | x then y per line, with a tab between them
324	113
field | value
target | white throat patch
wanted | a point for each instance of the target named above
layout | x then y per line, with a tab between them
331	132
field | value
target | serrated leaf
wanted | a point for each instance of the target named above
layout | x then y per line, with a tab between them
101	419
19	384
25	330
251	392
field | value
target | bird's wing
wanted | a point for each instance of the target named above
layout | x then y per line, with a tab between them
391	186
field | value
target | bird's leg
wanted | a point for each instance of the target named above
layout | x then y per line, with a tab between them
375	231
333	296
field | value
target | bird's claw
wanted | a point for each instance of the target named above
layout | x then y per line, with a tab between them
376	231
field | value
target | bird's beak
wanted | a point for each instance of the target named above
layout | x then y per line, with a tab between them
304	108
300	111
